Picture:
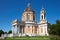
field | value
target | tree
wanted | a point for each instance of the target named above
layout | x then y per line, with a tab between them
55	28
57	21
10	32
52	29
1	32
5	32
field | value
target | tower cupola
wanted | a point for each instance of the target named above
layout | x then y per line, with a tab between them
42	14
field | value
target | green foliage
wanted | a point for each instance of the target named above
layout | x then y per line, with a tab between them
1	32
55	28
5	32
10	32
29	38
54	37
57	21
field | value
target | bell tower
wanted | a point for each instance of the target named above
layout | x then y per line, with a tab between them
43	27
42	15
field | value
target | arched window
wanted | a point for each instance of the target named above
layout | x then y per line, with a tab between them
28	17
42	16
34	17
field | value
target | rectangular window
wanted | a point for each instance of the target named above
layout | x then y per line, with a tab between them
41	30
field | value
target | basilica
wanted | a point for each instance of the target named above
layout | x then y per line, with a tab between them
28	25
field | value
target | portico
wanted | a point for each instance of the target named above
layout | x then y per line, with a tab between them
18	28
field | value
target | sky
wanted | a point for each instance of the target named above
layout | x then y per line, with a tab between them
13	9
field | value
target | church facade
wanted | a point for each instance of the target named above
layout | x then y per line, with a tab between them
29	26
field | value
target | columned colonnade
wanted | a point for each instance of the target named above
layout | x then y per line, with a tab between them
17	28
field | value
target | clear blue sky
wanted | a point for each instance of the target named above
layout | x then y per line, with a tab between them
13	9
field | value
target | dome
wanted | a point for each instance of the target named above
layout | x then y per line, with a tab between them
29	8
28	14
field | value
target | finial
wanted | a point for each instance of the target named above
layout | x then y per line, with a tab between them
28	4
42	7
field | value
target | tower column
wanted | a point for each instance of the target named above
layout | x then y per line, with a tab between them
22	30
12	30
18	29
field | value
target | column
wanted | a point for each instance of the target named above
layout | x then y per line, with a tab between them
18	29
15	30
22	29
38	30
12	30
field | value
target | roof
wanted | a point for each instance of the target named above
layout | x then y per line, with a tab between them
29	8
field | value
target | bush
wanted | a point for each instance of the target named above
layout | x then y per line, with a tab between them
54	37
